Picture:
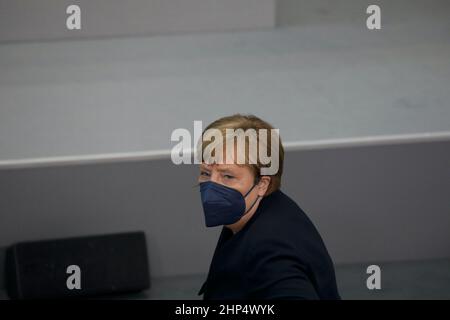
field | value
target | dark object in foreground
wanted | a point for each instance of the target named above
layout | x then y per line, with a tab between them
78	267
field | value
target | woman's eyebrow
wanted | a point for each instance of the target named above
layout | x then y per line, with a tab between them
226	170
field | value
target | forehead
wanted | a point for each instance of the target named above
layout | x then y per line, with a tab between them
229	151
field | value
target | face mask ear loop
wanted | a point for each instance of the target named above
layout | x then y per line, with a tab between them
257	198
254	185
253	204
245	196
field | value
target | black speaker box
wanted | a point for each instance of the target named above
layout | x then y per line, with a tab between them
78	267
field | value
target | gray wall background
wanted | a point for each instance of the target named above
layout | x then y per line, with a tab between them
377	203
87	97
326	12
46	19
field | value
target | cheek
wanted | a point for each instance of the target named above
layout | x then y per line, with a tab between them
244	185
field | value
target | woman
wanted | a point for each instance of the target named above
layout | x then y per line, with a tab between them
268	247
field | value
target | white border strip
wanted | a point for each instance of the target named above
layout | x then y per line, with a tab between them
368	141
165	154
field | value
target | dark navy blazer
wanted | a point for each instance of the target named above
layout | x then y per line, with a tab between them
278	254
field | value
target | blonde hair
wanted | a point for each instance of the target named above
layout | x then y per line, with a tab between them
245	122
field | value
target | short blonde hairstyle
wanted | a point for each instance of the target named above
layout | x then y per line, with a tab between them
244	122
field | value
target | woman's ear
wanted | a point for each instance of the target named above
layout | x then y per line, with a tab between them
263	185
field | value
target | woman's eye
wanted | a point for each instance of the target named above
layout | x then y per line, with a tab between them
227	176
204	173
